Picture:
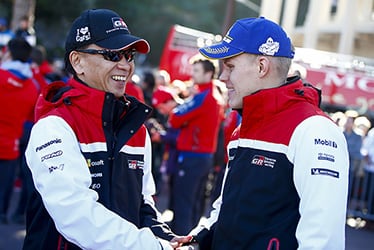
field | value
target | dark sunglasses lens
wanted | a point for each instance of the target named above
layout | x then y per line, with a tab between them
113	56
116	56
129	55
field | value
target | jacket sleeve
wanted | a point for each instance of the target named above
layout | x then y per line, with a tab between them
150	216
188	111
62	178
319	153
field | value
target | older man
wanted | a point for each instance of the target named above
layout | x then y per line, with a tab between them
89	152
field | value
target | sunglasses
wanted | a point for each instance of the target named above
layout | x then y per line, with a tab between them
112	55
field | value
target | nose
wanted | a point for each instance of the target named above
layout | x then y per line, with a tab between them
124	64
224	76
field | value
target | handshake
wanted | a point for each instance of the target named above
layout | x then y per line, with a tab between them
184	243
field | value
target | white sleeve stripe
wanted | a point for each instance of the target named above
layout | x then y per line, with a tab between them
93	147
101	146
262	145
132	150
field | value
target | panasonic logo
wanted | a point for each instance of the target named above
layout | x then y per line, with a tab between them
325	142
57	140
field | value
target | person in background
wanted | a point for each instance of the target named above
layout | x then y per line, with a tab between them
165	100
26	31
368	169
42	66
362	125
24	174
18	96
182	88
198	120
162	78
286	181
231	122
148	86
354	142
89	151
6	34
156	121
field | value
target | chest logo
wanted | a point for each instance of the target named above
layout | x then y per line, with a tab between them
324	171
135	164
91	163
262	161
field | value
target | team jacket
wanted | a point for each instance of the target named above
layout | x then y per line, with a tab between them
18	95
199	120
91	169
286	181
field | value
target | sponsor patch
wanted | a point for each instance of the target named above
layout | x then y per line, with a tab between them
269	48
135	164
45	145
83	34
325	142
95	186
118	23
326	157
95	163
261	160
324	171
224	49
52	155
94	175
53	168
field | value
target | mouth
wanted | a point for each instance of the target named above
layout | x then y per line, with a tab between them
230	90
119	78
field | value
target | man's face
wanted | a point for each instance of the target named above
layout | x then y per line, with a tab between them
239	73
103	74
198	74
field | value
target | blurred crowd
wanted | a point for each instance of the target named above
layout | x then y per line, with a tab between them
24	71
359	133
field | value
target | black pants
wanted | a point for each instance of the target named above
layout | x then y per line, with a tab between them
188	192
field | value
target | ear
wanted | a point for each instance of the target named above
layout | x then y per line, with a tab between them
76	62
263	65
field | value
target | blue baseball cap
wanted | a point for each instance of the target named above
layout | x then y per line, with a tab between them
258	36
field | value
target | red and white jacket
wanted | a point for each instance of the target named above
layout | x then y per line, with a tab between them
90	158
286	181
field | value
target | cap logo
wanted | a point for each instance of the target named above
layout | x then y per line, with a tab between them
227	39
269	48
83	34
224	49
119	23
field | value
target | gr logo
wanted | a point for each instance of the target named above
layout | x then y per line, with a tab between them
118	22
258	160
263	161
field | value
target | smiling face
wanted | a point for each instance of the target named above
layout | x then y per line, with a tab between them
100	73
246	74
240	74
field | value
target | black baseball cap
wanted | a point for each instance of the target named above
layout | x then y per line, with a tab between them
104	28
